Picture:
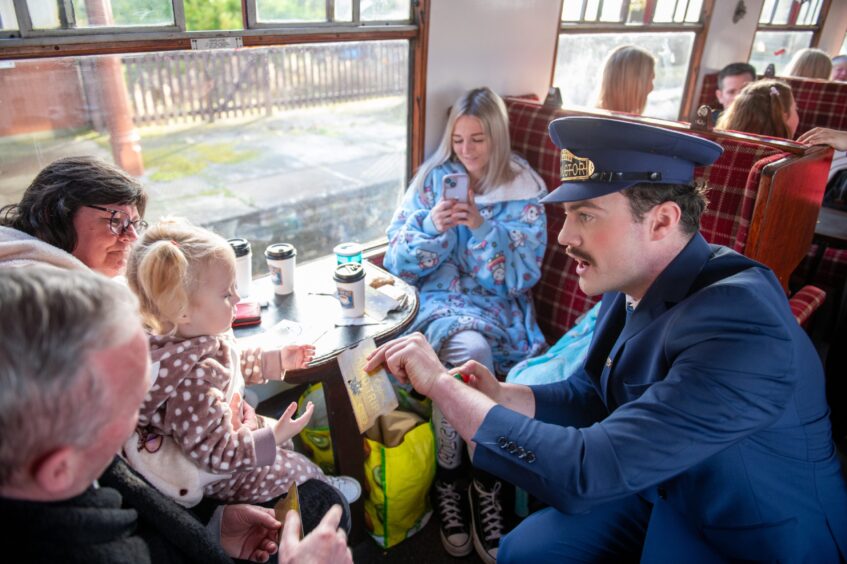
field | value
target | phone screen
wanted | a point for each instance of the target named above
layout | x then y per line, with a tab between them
456	186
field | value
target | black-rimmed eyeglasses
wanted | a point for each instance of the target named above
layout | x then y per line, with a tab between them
120	221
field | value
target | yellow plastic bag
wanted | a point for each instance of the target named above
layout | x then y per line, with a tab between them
397	478
397	482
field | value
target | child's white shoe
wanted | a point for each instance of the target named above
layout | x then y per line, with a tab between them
347	485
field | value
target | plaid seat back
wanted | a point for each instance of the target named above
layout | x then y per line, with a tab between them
707	92
820	103
558	299
733	181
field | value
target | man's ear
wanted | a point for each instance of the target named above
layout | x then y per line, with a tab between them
664	219
56	471
719	96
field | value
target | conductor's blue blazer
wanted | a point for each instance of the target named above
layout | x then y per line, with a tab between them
709	402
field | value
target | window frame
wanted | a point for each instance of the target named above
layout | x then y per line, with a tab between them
40	44
815	28
700	30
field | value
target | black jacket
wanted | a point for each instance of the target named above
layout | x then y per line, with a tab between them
124	520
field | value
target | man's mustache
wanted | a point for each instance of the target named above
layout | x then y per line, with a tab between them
570	251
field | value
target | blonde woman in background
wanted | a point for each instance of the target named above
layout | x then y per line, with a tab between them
765	107
809	63
628	75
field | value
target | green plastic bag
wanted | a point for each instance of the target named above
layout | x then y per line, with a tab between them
315	436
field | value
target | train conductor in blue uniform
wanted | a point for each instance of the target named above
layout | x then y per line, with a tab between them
698	429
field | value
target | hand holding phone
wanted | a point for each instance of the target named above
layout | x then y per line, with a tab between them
455	186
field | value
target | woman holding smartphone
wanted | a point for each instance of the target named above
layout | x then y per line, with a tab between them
474	254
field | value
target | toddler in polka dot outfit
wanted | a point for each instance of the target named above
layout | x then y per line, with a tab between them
184	277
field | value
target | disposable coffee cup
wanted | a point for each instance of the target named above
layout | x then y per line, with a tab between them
347	252
281	259
350	280
243	265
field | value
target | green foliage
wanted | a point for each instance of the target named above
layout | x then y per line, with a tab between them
203	15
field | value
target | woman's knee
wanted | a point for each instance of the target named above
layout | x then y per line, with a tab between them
467	345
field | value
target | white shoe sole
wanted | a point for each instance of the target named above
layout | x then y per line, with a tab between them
477	544
457	550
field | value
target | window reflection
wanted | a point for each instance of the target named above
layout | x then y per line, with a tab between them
305	144
777	47
578	77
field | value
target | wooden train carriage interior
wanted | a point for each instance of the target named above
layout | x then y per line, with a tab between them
280	120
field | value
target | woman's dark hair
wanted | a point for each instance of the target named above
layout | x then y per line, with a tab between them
47	208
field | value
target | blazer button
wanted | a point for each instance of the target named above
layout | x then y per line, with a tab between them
512	448
662	491
608	363
521	453
502	442
530	457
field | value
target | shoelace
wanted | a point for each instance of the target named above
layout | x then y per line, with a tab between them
492	513
448	504
448	442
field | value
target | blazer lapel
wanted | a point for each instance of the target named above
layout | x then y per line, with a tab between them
613	331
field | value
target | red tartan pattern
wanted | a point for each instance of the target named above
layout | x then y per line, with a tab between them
558	299
734	179
820	103
832	271
805	302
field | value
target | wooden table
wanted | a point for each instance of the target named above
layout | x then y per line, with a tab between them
312	305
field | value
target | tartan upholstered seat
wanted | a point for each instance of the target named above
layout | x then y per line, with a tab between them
733	179
820	103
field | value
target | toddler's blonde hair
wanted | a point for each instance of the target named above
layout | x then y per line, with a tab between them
164	268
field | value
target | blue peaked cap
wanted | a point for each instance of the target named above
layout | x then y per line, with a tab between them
600	156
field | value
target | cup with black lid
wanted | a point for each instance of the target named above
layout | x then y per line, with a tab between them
350	281
281	258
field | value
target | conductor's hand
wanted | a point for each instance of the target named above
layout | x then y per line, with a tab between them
478	376
823	136
409	359
249	532
325	544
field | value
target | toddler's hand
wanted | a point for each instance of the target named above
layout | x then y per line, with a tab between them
296	356
287	427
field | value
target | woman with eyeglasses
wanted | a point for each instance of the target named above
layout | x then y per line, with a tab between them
78	212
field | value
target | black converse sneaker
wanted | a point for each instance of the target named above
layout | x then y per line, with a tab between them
487	520
453	516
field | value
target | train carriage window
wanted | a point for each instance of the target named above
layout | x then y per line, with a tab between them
669	29
8	18
307	142
321	11
82	15
785	27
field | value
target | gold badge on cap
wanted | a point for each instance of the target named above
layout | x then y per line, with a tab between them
575	168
